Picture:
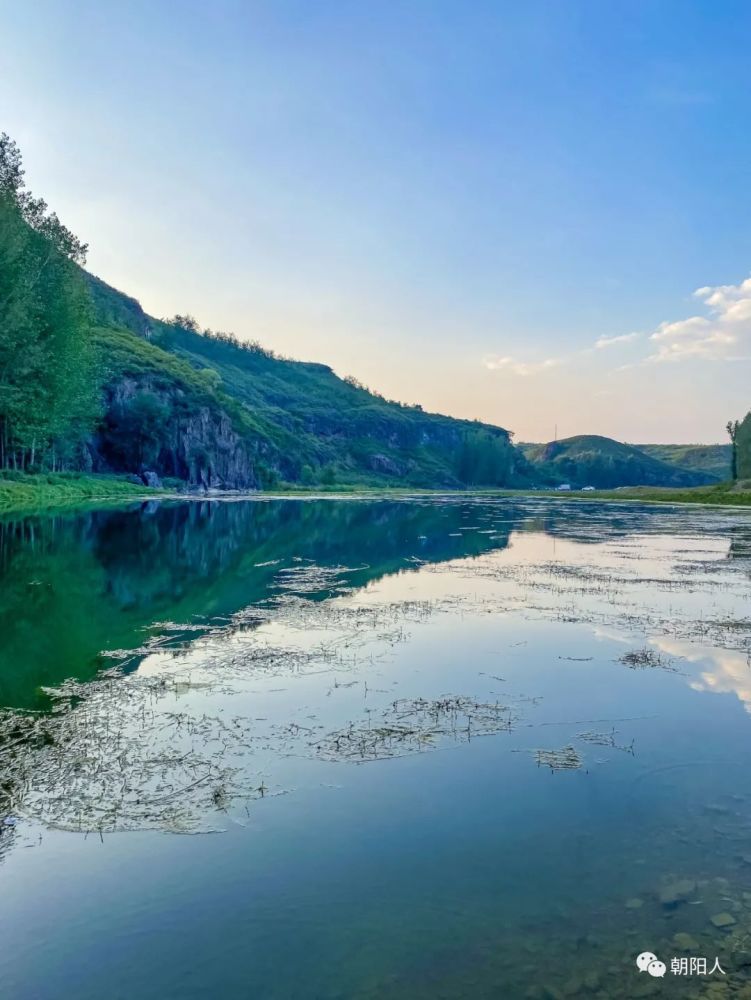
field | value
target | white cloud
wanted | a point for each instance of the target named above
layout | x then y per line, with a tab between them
496	363
623	338
729	673
724	334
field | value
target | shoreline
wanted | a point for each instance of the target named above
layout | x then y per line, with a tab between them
39	493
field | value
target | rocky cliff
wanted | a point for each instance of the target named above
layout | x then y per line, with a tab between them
152	427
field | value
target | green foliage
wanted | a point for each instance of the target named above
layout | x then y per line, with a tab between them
732	428
137	429
593	460
743	447
315	420
303	420
115	309
713	459
484	459
48	384
190	402
128	356
716	495
21	491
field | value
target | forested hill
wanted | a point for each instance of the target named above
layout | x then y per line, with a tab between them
207	408
89	381
601	462
713	459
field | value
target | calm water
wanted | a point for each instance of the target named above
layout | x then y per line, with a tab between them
374	748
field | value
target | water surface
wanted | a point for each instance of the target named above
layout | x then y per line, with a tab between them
347	748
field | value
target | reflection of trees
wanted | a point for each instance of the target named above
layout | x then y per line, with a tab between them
740	545
74	585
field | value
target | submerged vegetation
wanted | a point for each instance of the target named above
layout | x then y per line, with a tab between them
230	653
411	725
647	658
119	748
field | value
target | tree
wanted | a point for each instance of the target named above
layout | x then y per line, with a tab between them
48	386
743	448
732	428
186	322
136	429
484	459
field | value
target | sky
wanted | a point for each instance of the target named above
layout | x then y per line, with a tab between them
535	214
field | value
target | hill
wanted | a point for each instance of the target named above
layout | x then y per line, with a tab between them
91	383
211	410
713	459
593	460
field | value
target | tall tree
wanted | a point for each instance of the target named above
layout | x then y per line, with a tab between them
732	428
48	388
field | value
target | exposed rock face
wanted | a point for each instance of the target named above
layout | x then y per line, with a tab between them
150	430
384	464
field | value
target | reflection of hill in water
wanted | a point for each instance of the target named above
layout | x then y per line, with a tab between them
74	585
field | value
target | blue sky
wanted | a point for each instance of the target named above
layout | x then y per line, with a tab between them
454	202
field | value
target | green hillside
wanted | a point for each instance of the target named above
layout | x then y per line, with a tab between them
91	383
714	459
601	462
170	386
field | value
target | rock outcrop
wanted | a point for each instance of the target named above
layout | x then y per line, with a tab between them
149	430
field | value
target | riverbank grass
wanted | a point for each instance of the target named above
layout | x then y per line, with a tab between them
722	494
25	492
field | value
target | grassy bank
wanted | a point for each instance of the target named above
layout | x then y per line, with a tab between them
722	495
28	493
38	492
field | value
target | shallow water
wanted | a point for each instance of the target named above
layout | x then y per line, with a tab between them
348	748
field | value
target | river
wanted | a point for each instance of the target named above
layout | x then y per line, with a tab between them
360	748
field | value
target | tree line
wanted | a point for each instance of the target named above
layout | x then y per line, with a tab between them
49	390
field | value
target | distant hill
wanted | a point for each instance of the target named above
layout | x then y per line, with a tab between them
713	459
593	460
